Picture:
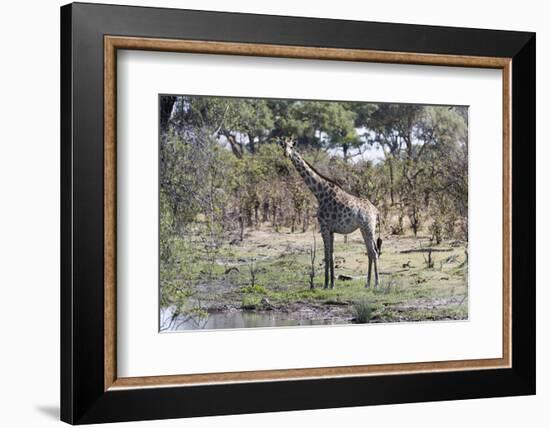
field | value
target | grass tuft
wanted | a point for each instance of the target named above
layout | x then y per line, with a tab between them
363	311
253	289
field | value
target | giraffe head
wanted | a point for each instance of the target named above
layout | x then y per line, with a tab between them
288	146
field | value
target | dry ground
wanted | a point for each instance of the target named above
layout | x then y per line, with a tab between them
268	272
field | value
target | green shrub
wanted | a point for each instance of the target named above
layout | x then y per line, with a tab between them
253	289
363	311
250	302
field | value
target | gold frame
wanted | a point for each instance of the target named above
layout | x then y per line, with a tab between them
113	43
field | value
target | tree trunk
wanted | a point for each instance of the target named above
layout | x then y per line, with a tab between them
265	210
274	217
345	149
236	147
251	143
256	214
390	164
414	220
166	106
241	227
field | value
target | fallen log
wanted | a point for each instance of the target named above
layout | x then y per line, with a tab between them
426	250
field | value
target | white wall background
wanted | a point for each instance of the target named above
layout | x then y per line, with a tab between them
29	213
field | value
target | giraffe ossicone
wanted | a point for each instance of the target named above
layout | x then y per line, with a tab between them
338	212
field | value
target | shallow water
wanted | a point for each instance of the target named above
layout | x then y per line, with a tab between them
239	319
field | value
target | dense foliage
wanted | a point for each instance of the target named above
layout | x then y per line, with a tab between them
221	170
219	161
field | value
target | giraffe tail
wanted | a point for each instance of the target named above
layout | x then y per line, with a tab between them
379	239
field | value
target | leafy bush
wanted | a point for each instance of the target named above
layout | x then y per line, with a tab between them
363	311
253	289
250	302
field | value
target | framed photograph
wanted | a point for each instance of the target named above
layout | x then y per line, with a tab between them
266	213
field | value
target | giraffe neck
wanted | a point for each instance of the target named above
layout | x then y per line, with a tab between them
317	184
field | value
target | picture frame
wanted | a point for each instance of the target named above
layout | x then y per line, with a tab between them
91	391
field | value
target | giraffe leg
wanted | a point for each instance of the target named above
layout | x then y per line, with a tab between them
372	254
367	285
331	260
376	279
373	258
326	244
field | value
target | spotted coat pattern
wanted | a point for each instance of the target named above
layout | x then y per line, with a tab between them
339	212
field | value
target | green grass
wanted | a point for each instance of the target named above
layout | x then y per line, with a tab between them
281	276
253	289
363	311
250	302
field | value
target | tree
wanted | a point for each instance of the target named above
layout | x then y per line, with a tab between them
246	124
319	124
218	158
166	107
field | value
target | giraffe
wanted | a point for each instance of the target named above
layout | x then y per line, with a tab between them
339	212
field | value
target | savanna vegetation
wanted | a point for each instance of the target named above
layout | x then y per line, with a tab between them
238	228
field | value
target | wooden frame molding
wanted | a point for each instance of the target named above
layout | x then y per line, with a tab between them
113	43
